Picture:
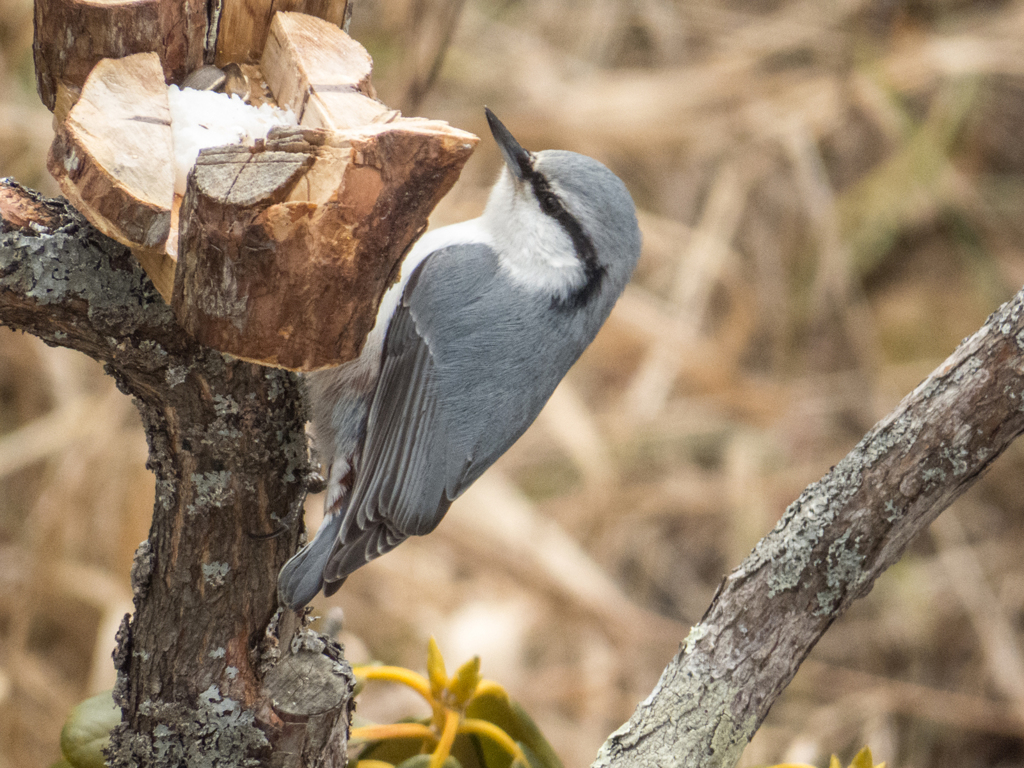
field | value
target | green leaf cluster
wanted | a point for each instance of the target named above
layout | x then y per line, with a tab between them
474	723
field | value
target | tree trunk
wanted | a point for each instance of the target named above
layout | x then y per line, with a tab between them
205	670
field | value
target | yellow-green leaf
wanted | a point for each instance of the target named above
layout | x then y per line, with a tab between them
435	669
87	731
495	707
864	760
834	763
466	679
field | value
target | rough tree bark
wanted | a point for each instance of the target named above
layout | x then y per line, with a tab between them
201	677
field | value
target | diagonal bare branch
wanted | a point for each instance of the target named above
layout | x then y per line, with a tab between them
827	551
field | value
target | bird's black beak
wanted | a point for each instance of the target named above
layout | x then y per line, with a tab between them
518	160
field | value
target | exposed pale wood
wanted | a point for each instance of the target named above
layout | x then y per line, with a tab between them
286	249
112	156
67	95
320	73
334	110
71	36
310	692
244	24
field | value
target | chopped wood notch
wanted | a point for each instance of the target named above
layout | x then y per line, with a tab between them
243	24
71	36
112	156
284	249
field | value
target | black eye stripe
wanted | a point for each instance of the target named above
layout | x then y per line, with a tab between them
524	162
551	205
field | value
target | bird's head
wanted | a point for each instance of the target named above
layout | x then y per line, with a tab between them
562	222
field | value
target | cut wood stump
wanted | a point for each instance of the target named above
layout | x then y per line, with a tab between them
319	73
283	265
113	159
72	36
280	252
243	24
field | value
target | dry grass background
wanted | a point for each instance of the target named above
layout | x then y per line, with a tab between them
831	198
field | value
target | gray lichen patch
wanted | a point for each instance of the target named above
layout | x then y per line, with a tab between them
279	384
789	549
142	569
215	573
296	450
212	489
730	738
62	266
696	634
958	457
892	511
844	570
1007	318
225	406
176	375
225	424
228	303
676	733
203	736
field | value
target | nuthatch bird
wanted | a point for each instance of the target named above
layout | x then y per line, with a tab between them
486	318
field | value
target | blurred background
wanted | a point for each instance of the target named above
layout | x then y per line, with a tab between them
831	195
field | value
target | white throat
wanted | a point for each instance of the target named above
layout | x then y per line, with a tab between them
533	248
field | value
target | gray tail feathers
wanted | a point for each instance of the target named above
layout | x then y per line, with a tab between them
302	577
361	546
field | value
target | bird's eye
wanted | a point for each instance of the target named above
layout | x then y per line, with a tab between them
548	203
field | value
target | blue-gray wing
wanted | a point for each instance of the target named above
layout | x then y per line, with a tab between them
402	466
401	481
468	362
